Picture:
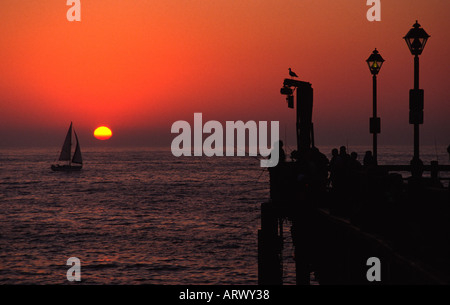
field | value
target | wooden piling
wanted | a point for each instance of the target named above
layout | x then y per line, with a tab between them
270	271
301	245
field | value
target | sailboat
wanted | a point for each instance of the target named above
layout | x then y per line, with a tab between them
75	162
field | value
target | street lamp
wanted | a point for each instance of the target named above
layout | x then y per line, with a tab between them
416	39
375	61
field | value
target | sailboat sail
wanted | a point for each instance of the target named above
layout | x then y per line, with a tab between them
77	154
67	156
65	151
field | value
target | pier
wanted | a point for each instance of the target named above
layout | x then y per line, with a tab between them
402	223
339	223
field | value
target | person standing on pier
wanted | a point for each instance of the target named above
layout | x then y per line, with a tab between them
335	166
344	155
354	164
281	153
368	159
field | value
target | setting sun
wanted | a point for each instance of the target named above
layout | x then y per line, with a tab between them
102	133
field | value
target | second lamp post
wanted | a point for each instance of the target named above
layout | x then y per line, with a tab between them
416	38
375	61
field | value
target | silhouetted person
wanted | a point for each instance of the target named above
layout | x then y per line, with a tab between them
279	179
368	159
346	165
354	164
321	163
334	154
282	154
344	155
416	167
333	160
336	167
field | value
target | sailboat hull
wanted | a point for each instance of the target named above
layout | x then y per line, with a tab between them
66	168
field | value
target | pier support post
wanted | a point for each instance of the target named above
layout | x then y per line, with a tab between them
270	270
301	248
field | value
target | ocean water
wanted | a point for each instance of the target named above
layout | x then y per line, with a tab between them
139	216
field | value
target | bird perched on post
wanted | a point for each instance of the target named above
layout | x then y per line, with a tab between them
292	73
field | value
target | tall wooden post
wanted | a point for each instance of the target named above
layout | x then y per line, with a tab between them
270	271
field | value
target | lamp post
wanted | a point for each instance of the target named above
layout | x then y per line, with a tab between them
416	38
375	61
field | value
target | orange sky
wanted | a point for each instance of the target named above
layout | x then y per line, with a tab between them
138	66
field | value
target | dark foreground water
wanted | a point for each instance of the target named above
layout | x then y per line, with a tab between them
136	216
